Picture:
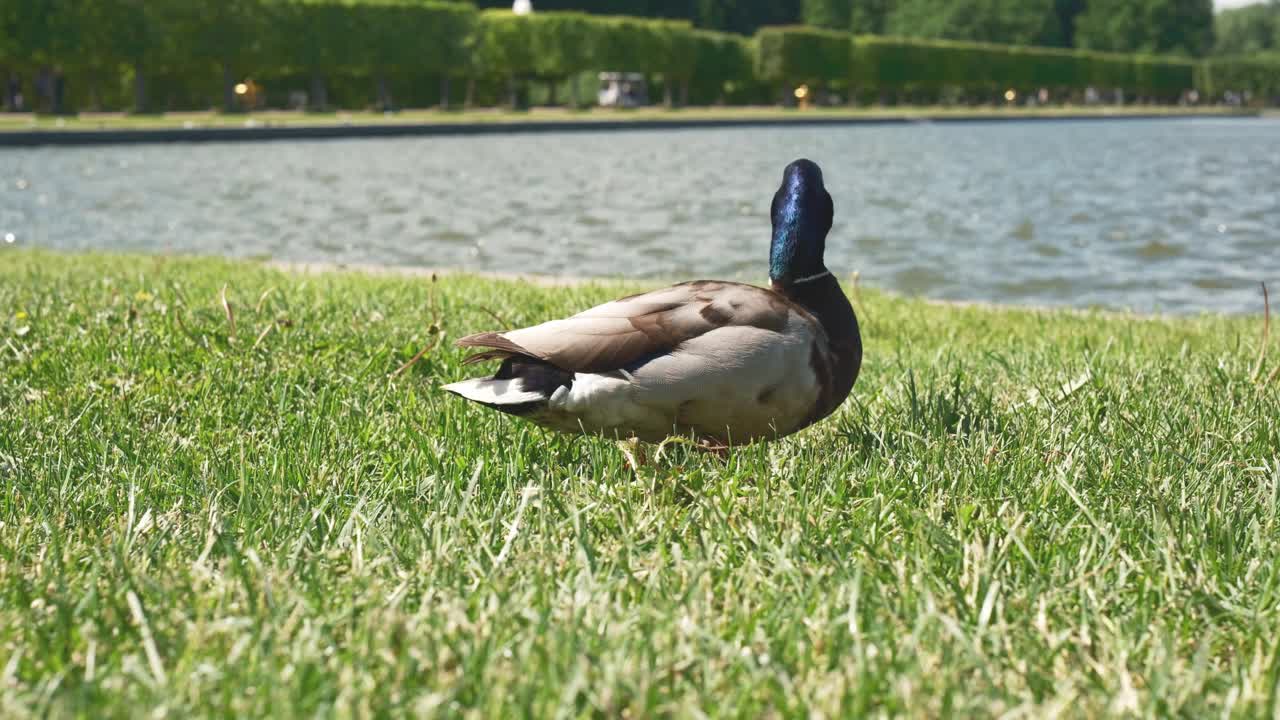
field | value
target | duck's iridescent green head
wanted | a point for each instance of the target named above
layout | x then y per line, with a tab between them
802	214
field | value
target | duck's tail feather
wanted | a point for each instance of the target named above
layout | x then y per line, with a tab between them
496	393
521	385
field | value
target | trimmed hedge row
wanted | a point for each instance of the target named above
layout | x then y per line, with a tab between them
1258	75
794	55
802	54
893	64
188	46
377	38
554	46
725	64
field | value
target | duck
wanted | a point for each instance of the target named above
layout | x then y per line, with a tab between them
719	363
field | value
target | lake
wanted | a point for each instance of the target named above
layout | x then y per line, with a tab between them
1176	216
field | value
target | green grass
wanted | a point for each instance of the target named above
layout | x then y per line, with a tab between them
204	519
121	121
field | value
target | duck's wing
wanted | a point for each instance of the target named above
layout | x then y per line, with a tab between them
618	334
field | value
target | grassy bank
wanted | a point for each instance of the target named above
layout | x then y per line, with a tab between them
121	121
239	507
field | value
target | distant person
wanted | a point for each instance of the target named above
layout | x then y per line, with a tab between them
13	95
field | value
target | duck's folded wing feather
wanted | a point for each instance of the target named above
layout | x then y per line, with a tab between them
616	335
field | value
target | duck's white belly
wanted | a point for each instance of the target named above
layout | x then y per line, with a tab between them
733	384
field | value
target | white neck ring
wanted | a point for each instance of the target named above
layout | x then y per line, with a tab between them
811	278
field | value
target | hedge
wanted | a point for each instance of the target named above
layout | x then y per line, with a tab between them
795	55
909	64
376	38
724	66
1258	75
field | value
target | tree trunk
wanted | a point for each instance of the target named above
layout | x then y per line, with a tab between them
444	92
139	89
384	94
684	93
469	100
782	94
59	92
228	89
319	100
512	101
668	97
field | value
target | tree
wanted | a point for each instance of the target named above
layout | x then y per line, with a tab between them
8	50
563	44
506	48
788	56
1068	11
1183	27
455	28
679	58
314	37
724	64
832	14
226	34
745	16
673	9
1248	30
46	36
868	17
389	33
1012	22
133	33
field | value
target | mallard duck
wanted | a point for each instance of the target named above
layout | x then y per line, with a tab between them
724	363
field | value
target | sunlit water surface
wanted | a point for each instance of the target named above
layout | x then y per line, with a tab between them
1172	216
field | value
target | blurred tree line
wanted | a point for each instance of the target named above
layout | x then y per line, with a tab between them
1248	30
1148	26
737	16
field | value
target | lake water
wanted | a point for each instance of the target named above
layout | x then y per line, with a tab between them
1167	215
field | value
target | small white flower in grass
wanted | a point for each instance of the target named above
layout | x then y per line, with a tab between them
872	650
